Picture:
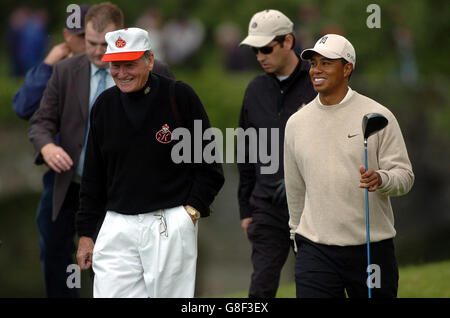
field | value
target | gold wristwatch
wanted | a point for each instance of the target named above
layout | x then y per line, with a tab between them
192	212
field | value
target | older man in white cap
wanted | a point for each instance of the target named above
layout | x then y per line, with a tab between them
323	157
63	111
147	246
270	99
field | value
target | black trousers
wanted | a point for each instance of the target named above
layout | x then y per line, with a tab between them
323	271
270	248
57	239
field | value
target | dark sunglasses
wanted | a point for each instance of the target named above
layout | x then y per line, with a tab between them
264	50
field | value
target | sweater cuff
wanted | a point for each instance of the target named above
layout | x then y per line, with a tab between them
384	181
85	231
86	225
245	212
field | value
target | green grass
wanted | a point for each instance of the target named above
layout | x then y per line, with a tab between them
425	281
416	281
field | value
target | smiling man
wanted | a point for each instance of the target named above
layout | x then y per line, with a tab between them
147	245
128	75
323	157
270	99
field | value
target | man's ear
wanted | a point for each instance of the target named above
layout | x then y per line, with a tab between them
289	41
151	60
348	69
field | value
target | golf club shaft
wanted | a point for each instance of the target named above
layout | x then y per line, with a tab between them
367	224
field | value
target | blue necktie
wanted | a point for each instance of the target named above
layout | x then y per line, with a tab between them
100	88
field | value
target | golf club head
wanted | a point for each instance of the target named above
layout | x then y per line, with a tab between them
372	123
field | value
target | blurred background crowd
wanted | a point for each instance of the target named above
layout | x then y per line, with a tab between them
403	65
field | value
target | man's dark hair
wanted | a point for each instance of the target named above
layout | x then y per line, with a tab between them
104	14
280	39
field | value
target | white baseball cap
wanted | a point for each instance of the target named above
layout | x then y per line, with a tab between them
332	46
265	26
126	44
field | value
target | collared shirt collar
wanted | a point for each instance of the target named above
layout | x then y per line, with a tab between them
94	70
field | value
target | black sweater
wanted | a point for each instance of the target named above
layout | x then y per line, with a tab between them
127	170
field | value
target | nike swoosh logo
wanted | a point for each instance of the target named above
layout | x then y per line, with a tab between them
351	136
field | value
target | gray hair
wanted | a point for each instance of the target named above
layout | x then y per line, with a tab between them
146	56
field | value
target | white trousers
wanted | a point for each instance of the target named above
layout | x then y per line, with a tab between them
146	255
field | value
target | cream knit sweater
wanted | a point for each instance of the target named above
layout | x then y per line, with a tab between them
322	157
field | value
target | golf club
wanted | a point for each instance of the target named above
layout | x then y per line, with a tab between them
371	124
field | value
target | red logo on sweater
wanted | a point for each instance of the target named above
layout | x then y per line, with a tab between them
164	135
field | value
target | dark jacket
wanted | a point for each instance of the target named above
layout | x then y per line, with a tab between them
129	167
268	103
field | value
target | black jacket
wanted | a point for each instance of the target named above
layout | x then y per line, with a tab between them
129	167
268	103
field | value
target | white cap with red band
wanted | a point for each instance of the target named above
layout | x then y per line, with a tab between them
126	44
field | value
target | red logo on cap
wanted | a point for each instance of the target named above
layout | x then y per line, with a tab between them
120	42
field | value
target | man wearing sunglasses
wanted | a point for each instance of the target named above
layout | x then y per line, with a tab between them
269	100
